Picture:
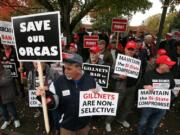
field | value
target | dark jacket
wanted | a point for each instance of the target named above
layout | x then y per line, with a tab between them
7	87
176	68
68	92
107	57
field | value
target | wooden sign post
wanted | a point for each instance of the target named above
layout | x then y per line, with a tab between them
43	98
21	73
117	40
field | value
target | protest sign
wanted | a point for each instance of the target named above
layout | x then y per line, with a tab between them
119	25
126	65
99	72
161	83
90	41
6	33
12	67
94	104
177	84
33	102
158	98
37	37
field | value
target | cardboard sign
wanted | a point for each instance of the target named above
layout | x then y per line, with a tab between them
154	99
90	41
177	84
126	65
6	33
119	25
37	37
12	67
161	83
99	72
96	104
33	102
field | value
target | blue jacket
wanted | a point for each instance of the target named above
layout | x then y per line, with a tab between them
68	92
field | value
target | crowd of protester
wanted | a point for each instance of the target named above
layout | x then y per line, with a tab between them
64	81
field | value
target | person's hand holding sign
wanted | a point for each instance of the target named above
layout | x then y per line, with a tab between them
97	89
94	90
149	87
123	77
41	91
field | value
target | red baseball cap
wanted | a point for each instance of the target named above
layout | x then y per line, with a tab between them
76	36
73	45
95	49
164	59
131	44
66	55
162	52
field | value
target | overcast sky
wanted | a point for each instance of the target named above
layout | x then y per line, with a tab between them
138	18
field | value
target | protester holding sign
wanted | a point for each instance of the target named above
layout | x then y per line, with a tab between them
176	57
126	87
94	56
33	83
8	55
67	87
160	78
151	64
105	54
7	94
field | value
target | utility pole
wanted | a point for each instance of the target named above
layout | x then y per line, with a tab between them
161	26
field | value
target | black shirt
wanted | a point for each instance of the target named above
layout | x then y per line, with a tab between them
154	78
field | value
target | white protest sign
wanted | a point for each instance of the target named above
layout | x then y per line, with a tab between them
161	83
126	65
12	67
33	102
6	33
177	84
154	99
96	104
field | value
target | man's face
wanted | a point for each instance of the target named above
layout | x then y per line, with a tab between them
130	52
148	40
178	49
102	46
72	70
94	56
73	50
138	45
164	68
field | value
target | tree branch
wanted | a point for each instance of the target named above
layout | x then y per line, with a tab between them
46	4
77	18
